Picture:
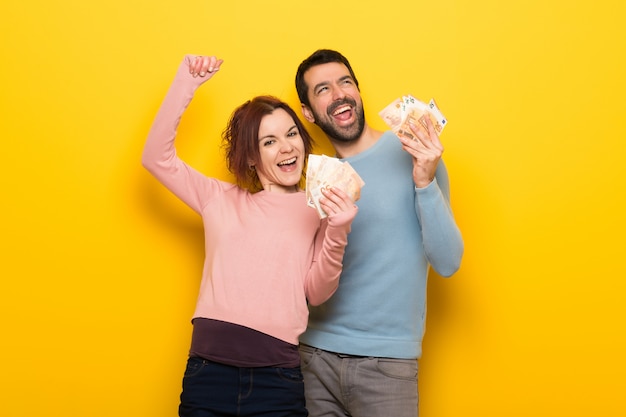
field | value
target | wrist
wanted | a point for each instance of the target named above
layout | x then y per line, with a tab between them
424	183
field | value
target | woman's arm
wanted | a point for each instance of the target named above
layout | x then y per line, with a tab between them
159	154
323	277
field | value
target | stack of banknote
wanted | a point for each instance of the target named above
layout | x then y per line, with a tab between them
406	111
324	171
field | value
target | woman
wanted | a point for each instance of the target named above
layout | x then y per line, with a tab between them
267	253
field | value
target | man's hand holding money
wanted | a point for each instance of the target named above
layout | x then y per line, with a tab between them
418	126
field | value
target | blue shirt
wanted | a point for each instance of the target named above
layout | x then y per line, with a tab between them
379	308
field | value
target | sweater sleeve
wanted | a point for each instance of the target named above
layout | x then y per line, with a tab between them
159	154
442	239
322	279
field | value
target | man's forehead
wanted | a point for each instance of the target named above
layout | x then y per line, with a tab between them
327	72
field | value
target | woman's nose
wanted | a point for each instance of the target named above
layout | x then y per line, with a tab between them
286	146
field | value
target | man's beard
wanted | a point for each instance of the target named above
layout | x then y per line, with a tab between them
340	134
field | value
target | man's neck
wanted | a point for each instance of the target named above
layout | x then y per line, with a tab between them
347	149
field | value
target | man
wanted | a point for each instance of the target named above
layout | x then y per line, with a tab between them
360	350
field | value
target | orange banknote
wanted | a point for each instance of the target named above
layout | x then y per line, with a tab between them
406	111
324	171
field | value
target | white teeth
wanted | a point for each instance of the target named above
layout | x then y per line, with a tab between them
288	161
341	110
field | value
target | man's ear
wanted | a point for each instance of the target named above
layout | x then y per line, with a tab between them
307	113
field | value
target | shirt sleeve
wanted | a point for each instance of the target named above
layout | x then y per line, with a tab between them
159	155
322	279
441	236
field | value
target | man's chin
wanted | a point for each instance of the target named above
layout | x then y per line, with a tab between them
349	134
344	139
345	134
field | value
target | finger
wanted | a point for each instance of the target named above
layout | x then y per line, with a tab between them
328	205
414	146
210	65
410	143
338	197
421	131
192	65
196	65
332	207
419	152
411	150
433	135
203	65
213	64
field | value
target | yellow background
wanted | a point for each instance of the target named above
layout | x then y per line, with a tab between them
100	265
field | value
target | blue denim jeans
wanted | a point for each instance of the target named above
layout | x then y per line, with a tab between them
342	385
212	389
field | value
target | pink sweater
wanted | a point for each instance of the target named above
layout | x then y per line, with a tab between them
267	254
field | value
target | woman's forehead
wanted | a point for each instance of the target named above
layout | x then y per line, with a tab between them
276	123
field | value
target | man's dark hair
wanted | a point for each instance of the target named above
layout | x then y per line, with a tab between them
319	57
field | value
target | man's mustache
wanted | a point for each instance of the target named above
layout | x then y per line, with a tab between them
339	103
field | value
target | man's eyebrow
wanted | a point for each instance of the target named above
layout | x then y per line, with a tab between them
316	86
340	79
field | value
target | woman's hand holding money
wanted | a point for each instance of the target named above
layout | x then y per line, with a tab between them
334	200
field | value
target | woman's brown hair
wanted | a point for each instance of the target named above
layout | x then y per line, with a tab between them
241	138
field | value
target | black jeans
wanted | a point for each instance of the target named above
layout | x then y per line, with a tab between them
212	389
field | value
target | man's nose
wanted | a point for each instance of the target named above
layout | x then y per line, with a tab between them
338	93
